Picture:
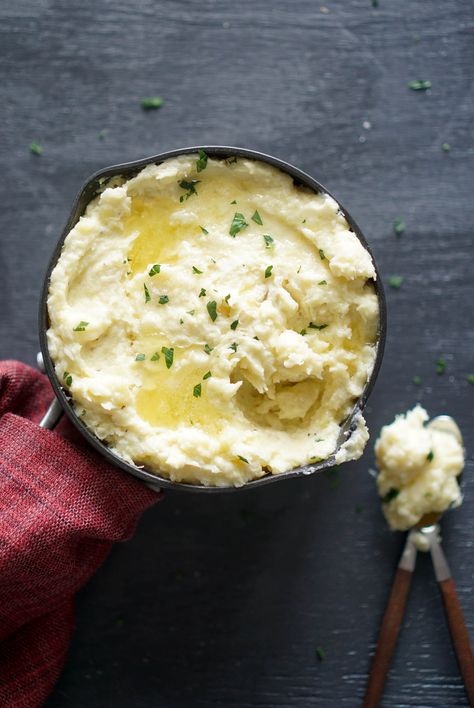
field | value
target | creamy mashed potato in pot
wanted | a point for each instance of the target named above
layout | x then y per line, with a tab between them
418	465
213	321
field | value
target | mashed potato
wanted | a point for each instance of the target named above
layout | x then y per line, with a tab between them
213	321
418	466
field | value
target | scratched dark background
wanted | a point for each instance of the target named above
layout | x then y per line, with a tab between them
222	601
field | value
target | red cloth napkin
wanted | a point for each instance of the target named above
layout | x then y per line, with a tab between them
61	507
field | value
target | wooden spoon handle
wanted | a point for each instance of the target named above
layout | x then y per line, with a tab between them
388	637
459	635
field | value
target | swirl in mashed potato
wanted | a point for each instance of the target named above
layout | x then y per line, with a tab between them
214	324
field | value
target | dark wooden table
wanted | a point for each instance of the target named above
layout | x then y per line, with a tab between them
223	601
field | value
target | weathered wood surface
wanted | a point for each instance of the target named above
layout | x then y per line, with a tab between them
222	601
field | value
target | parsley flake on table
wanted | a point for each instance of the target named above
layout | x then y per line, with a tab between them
102	133
399	226
234	346
80	327
243	459
67	378
320	653
395	281
234	324
322	254
154	270
190	186
269	241
313	325
163	299
202	292
147	293
359	508
207	375
205	231
440	366
238	224
419	85
268	271
140	357
208	349
201	162
430	456
169	355
257	218
197	271
390	495
151	103
197	391
470	379
35	148
155	357
212	310
446	147
416	380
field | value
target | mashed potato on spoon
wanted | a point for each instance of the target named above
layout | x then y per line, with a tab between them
213	321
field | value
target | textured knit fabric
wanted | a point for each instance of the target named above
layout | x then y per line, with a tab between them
61	507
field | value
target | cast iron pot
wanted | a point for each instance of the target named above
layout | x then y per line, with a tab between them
63	403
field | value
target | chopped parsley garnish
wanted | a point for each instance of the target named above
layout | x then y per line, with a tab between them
323	282
234	201
205	231
151	103
202	292
320	653
189	186
359	508
227	298
163	299
234	324
430	456
80	327
147	293
322	254
440	366
375	3
207	375
67	378
238	223
419	85
446	147
269	241
391	494
303	332
190	312
243	459
313	325
102	133
201	162
399	226
268	271
140	357
395	281
257	218
197	271
233	346
155	357
212	309
169	354
36	148
197	391
416	380
154	270
208	349
470	379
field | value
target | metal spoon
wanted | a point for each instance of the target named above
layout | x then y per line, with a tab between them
426	530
